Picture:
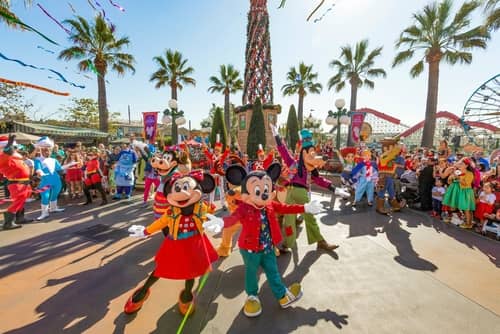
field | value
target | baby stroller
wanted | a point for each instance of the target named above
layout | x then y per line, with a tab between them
492	226
409	188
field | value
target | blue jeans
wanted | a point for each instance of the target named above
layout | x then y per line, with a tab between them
389	187
437	205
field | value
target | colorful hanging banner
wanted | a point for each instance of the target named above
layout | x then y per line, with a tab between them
357	119
15	20
26	84
150	126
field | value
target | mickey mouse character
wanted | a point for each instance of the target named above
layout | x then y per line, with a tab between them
260	232
186	252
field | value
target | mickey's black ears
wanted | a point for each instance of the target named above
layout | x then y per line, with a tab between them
274	171
208	183
235	174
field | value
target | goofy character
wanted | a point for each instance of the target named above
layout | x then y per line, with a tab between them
387	169
260	233
18	175
48	170
186	252
298	192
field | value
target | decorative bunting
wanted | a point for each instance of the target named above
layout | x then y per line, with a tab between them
61	77
117	5
44	49
53	19
26	84
324	14
111	25
15	20
72	8
315	9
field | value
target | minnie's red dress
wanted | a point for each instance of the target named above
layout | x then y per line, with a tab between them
186	252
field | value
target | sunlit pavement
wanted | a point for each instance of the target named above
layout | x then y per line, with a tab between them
401	274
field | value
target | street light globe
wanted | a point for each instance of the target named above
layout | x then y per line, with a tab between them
180	121
331	120
172	104
345	120
166	119
340	103
334	122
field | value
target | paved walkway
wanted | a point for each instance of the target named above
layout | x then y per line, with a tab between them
400	274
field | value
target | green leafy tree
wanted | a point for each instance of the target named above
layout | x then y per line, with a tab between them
82	112
218	127
97	49
208	121
13	105
257	130
228	82
356	67
439	35
174	72
492	10
5	8
301	81
292	128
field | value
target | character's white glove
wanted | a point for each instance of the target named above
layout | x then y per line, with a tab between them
342	193
313	207
274	130
136	231
213	224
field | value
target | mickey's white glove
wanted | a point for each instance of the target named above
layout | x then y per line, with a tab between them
213	224
136	231
274	130
313	207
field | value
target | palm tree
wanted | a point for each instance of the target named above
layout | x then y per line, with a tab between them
174	72
98	49
492	8
440	36
5	8
301	82
227	83
356	68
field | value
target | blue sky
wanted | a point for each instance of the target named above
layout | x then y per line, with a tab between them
212	32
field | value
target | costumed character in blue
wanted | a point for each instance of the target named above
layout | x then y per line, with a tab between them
124	173
48	169
364	174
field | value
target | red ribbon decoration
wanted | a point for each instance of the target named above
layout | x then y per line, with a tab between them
195	174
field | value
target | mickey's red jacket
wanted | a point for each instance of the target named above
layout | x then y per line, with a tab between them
249	217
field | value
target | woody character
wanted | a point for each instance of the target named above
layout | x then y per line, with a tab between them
387	169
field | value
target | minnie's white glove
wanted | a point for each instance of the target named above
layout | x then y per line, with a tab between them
313	207
213	224
137	231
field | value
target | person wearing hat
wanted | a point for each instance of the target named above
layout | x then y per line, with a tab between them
387	169
298	193
263	161
217	159
18	175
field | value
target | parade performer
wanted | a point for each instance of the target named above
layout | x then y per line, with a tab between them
307	165
48	169
364	174
124	173
165	165
18	175
233	199
263	161
347	158
386	171
151	176
186	253
93	177
260	233
217	160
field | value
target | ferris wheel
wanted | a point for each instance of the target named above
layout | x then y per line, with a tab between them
482	109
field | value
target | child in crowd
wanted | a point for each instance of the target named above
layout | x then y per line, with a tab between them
437	198
111	178
485	204
74	174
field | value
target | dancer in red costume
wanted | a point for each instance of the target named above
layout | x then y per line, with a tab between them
263	162
217	170
18	174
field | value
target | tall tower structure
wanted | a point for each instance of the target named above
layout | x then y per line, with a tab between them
258	72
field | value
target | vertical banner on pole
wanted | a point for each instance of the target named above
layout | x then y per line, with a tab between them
150	120
357	119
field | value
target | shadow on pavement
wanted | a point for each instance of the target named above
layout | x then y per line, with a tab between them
85	298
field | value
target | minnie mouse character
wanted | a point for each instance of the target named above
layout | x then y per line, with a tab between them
186	252
260	232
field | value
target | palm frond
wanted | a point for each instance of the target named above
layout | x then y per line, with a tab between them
417	69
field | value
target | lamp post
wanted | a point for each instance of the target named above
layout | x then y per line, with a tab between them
336	119
175	117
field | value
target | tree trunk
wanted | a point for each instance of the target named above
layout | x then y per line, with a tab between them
101	97
352	107
173	95
431	106
227	117
300	111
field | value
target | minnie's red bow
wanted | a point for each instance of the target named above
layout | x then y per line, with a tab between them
195	174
